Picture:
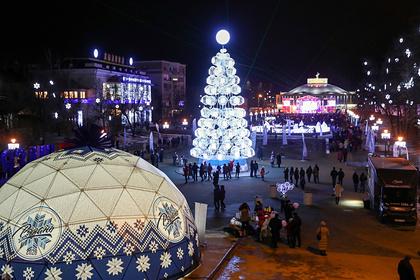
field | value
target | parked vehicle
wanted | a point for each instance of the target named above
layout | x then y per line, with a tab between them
392	184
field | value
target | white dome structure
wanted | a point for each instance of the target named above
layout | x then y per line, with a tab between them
91	213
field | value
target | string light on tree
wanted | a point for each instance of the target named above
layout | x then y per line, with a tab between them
222	132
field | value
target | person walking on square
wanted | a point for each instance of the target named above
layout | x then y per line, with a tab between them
323	234
302	173
405	269
209	172
297	176
302	183
297	223
290	234
222	195
278	160
237	170
292	173
216	197
316	174
338	192
224	168
363	180
309	173
185	170
286	174
333	175
256	169
201	171
340	176
355	181
275	227
262	172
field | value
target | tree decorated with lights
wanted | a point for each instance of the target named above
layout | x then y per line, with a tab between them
392	88
222	132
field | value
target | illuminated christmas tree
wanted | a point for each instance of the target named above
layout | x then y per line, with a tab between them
222	132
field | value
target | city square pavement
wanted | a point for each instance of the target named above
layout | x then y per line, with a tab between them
360	247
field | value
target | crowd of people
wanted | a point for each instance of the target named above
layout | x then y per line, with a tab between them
298	176
272	226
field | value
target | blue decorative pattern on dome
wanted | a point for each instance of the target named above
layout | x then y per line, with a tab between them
126	254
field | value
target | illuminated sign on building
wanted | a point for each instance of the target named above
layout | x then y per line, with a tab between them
136	80
317	81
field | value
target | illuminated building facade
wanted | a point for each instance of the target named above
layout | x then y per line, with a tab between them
316	96
96	88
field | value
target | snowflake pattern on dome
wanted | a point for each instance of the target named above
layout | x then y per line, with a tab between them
82	231
99	253
139	225
53	273
128	249
111	226
69	257
165	260
6	271
143	263
153	246
84	271
180	253
114	266
190	248
28	273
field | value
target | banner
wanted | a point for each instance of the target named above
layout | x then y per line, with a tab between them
194	126
151	142
304	149
284	134
200	220
254	139
265	136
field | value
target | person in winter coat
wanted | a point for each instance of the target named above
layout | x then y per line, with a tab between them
297	175
237	170
340	175
405	269
290	236
316	174
245	217
323	234
222	195
363	179
216	197
278	160
309	173
302	183
297	223
338	192
262	172
275	227
302	173
355	181
333	175
286	174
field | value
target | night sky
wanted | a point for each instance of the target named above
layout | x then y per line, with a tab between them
281	42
